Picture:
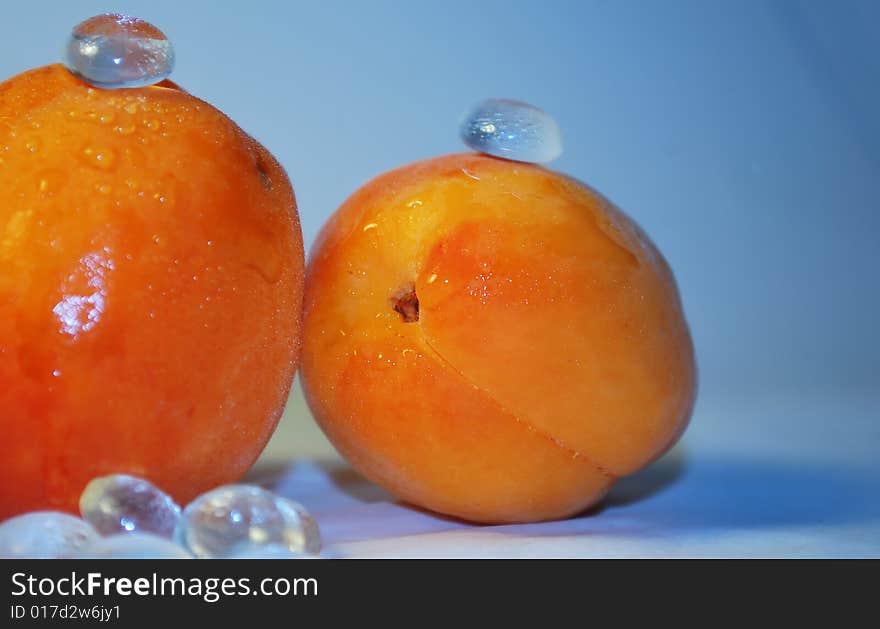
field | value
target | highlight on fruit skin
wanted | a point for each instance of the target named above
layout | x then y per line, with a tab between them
151	280
493	340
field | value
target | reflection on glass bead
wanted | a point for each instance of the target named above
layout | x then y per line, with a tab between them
113	50
132	546
512	130
268	551
44	535
220	522
125	504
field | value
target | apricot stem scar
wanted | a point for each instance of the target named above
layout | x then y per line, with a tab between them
406	303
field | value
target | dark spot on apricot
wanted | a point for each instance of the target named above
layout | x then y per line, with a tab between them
406	304
264	174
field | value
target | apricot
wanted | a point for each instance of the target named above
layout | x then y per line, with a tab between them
151	271
493	340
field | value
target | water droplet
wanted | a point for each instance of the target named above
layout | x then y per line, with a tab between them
113	50
512	130
221	522
124	504
50	181
132	546
100	158
44	535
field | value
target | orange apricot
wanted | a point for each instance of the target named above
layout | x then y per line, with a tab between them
493	340
151	278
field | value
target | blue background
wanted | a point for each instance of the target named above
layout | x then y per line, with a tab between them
744	136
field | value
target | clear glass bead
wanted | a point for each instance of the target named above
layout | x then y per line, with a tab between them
112	51
44	535
222	521
126	504
132	546
268	551
512	130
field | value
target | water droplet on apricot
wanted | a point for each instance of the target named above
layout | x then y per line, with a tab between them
100	158
513	130
112	51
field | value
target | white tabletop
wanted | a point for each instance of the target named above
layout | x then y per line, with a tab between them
793	476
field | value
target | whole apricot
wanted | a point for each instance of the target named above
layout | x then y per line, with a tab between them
151	270
493	340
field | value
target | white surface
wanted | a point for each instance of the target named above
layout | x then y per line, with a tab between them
791	477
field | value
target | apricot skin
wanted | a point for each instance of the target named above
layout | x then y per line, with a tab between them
550	355
151	278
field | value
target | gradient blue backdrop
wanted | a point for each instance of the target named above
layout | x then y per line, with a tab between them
744	136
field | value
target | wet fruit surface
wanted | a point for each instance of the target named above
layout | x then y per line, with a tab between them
150	290
493	340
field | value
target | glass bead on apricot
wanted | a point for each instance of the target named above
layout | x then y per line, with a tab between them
113	51
512	130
